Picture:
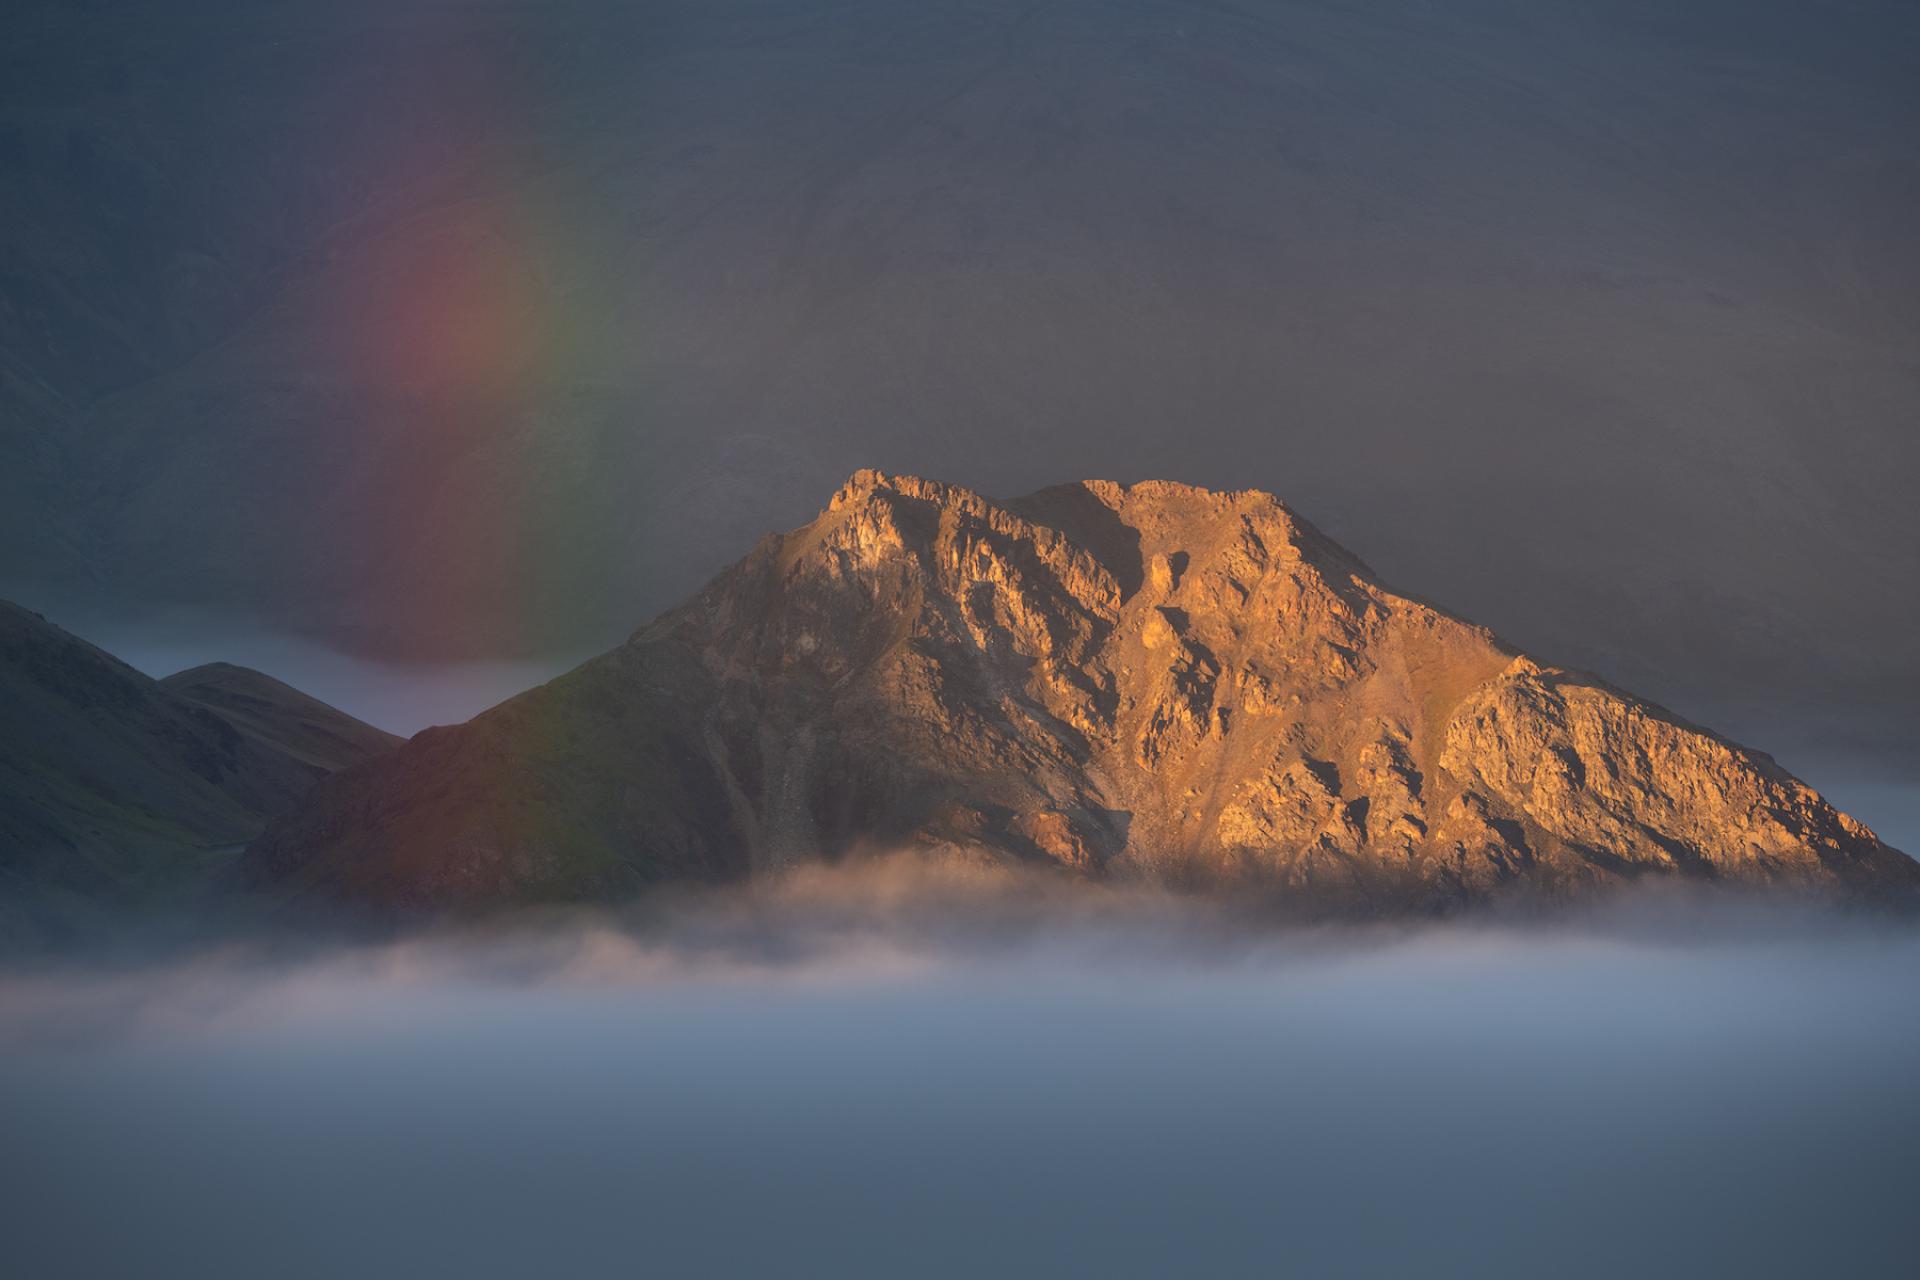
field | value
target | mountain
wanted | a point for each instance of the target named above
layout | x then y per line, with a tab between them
280	717
114	786
1146	680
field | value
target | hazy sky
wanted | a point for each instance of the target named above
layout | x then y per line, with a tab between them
474	331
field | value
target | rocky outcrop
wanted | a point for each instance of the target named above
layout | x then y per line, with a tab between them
1147	680
1634	788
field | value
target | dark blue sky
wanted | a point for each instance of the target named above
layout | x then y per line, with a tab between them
477	331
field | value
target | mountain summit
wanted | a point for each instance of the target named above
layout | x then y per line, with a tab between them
1151	679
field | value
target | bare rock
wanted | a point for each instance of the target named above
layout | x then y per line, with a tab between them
1151	680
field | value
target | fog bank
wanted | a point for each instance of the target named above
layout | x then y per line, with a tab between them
903	1070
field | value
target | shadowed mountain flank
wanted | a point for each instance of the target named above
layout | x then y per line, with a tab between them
114	786
281	717
1149	680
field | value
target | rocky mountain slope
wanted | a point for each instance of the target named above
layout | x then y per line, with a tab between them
113	784
1152	680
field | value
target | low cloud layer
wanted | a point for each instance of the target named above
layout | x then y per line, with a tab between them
912	1069
892	920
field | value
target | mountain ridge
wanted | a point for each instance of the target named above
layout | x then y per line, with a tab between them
283	717
1153	679
115	786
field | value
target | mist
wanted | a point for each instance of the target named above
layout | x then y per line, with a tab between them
900	1068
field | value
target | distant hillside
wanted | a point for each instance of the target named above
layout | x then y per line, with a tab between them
112	784
280	717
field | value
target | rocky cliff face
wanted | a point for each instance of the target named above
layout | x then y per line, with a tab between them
1150	680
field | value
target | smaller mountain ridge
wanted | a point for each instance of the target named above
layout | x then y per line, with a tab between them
115	787
279	716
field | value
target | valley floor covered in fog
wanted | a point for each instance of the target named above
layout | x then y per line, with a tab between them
907	1071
